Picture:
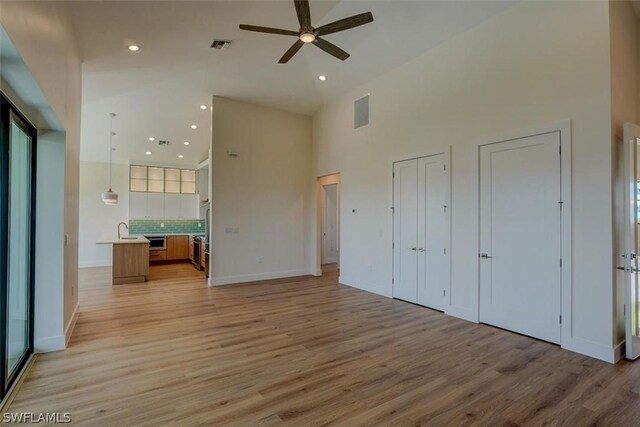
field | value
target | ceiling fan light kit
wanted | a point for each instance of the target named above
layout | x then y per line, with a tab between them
309	34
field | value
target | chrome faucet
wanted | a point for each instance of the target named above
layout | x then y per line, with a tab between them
122	223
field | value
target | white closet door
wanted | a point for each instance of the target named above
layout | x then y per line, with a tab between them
405	233
433	232
520	235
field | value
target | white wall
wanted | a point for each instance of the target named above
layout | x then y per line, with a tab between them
625	107
97	220
49	271
42	34
263	192
536	63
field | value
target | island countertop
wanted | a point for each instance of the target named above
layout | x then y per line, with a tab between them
124	240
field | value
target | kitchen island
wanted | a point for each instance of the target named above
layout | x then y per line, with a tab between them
130	259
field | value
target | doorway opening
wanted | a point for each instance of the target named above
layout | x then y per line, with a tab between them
329	223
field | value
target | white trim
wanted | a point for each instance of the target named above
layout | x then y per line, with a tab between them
460	312
47	344
244	278
590	349
342	280
330	261
95	263
68	330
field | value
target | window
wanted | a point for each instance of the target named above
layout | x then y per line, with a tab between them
155	179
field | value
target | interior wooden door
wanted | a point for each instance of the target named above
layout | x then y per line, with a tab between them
520	267
433	232
405	230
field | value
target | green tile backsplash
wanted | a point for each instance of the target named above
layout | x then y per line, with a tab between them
171	226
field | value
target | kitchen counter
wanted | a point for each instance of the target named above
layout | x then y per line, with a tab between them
170	234
122	241
130	259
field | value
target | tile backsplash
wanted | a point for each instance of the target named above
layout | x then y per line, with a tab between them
171	226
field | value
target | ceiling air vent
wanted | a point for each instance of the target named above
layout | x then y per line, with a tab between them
164	143
221	44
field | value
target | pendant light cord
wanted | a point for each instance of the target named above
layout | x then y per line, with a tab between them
112	115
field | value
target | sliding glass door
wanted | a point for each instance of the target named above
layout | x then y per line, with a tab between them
17	183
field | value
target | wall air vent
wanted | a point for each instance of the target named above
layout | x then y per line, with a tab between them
221	44
361	112
164	143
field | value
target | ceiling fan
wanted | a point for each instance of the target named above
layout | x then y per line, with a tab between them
309	34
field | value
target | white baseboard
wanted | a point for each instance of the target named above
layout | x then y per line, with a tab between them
343	280
95	263
68	330
47	344
591	349
619	351
463	313
243	278
315	272
330	261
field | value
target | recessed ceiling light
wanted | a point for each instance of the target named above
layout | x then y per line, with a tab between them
186	143
180	156
134	47
148	153
323	78
151	138
203	107
194	127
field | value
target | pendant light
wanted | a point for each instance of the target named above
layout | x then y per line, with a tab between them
109	197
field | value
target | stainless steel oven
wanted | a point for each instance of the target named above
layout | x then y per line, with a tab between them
196	252
157	243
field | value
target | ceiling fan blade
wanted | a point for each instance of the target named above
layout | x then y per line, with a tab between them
304	14
268	30
331	49
345	24
292	51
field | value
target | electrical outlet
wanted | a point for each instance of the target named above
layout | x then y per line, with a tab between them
162	224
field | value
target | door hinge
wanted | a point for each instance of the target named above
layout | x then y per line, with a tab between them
393	209
445	167
560	149
624	310
444	293
445	208
561	203
392	280
445	251
393	175
561	319
560	262
393	245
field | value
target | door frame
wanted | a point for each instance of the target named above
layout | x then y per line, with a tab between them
330	179
8	112
567	340
446	151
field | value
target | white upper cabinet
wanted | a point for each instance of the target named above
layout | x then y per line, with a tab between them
162	193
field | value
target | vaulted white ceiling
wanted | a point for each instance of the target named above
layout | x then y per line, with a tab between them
157	91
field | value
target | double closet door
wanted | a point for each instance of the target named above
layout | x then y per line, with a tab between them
421	263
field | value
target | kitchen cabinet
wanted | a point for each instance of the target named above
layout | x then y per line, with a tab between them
162	206
177	247
157	255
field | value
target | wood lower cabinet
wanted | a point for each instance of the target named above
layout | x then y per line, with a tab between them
177	247
156	255
130	263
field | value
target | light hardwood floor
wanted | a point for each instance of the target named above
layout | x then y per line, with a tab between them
307	351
